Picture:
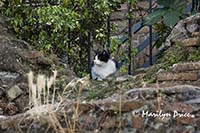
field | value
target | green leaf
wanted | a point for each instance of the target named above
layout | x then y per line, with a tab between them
154	17
135	51
171	18
165	3
132	2
178	5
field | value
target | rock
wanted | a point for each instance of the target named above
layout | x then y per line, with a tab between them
8	75
177	76
177	106
125	78
44	61
198	123
8	78
3	26
33	54
10	58
183	29
185	120
17	58
189	42
196	34
1	111
138	121
112	123
182	67
22	102
14	92
1	92
11	108
87	122
109	116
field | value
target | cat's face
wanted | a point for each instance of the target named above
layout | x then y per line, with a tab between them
102	58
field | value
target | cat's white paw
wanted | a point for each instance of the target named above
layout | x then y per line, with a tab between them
99	79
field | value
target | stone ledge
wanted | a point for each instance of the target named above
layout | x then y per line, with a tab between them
177	77
189	42
182	67
196	34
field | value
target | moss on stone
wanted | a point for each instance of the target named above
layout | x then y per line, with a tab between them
150	75
194	56
175	54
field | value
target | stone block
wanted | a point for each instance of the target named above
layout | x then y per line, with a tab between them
14	92
196	34
189	42
1	111
177	77
33	54
182	67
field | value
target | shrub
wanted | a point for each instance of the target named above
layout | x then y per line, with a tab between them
47	26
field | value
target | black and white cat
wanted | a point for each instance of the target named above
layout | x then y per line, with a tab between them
103	66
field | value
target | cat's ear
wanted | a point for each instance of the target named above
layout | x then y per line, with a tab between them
106	52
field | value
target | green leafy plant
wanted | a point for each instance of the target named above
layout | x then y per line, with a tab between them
134	51
195	55
51	23
47	26
168	11
164	17
2	3
162	31
170	57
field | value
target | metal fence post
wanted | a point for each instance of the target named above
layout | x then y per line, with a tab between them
150	36
198	6
89	51
108	32
30	3
68	45
130	41
193	5
89	44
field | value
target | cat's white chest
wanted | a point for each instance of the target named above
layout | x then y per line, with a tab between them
105	70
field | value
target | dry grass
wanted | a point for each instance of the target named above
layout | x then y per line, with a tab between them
43	98
57	113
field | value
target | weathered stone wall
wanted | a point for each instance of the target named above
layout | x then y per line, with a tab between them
185	29
183	46
181	72
17	58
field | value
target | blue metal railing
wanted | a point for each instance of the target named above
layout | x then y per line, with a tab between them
196	5
186	10
132	29
130	41
152	36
